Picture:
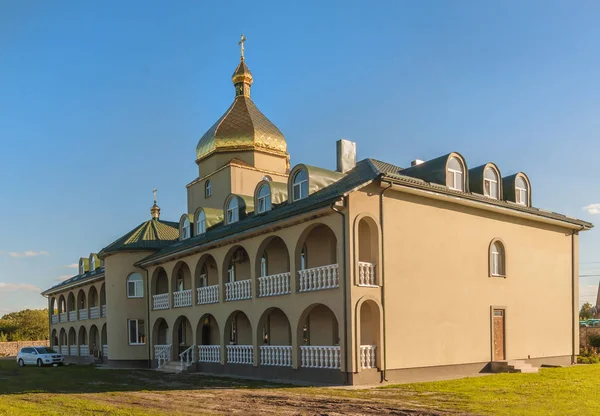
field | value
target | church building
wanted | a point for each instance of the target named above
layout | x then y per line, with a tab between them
369	273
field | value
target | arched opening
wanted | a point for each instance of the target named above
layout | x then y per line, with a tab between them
182	285
497	259
183	335
161	336
94	342
273	267
104	341
103	300
93	303
63	342
316	254
160	289
369	334
238	336
319	332
72	307
82	305
208	339
368	252
53	306
236	274
62	305
83	342
54	340
207	280
72	341
275	335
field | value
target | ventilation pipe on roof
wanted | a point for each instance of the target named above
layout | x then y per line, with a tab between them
346	155
416	162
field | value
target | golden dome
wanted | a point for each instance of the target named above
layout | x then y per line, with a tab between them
243	126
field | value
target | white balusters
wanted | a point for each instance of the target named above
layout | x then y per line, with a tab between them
72	316
366	274
209	353
367	356
83	314
208	294
72	349
104	311
105	350
320	356
277	355
274	285
242	289
160	301
54	319
64	349
182	298
318	278
63	317
95	312
162	353
240	354
187	358
84	351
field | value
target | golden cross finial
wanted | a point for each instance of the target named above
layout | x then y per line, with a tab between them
154	192
241	43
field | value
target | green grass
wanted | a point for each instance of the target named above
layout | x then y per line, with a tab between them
83	390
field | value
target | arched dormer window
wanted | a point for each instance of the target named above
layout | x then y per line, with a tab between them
497	259
185	228
233	211
81	266
491	183
207	189
521	191
455	177
200	222
135	286
93	264
300	185
264	198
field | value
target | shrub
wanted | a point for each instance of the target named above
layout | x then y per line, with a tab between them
594	341
588	355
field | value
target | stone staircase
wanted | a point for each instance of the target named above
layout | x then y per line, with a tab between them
513	366
170	367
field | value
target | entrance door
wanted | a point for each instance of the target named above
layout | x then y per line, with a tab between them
498	328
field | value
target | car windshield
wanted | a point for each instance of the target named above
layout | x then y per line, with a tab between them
44	350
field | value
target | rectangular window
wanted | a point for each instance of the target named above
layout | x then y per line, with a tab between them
135	289
137	334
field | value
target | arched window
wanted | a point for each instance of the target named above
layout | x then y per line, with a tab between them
135	286
201	223
303	258
264	198
207	189
263	265
521	191
81	266
92	263
231	272
300	185
232	211
490	183
185	229
455	175
497	259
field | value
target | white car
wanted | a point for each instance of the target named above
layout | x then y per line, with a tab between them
39	356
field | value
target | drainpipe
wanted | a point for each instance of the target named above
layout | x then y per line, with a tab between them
345	285
148	291
382	271
573	282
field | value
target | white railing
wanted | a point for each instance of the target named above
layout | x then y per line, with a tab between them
240	354
208	294
105	350
366	274
94	312
103	311
320	357
83	314
242	289
54	319
187	358
84	351
319	278
64	349
72	349
209	353
182	298
274	285
162	353
72	315
367	356
160	301
63	317
279	355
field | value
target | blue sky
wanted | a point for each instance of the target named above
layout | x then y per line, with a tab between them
102	101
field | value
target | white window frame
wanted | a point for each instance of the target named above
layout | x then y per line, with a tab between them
92	263
521	194
298	185
185	229
233	211
493	184
138	286
231	272
456	174
264	265
201	223
207	189
497	260
303	258
137	331
264	202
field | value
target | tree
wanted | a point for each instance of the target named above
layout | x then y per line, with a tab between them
586	311
26	325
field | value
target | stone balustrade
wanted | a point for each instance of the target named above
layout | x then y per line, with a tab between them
209	353
320	356
240	354
160	301
366	274
208	294
274	285
276	355
318	278
182	298
240	290
367	356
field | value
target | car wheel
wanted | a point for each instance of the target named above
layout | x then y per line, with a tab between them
39	363
21	362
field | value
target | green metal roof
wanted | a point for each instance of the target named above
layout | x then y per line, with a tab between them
150	235
80	278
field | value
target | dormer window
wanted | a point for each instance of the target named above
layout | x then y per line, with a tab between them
455	176
233	211
300	185
185	229
264	198
521	191
81	266
490	183
92	263
200	223
207	189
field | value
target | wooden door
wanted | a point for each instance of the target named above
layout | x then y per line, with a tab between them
498	328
